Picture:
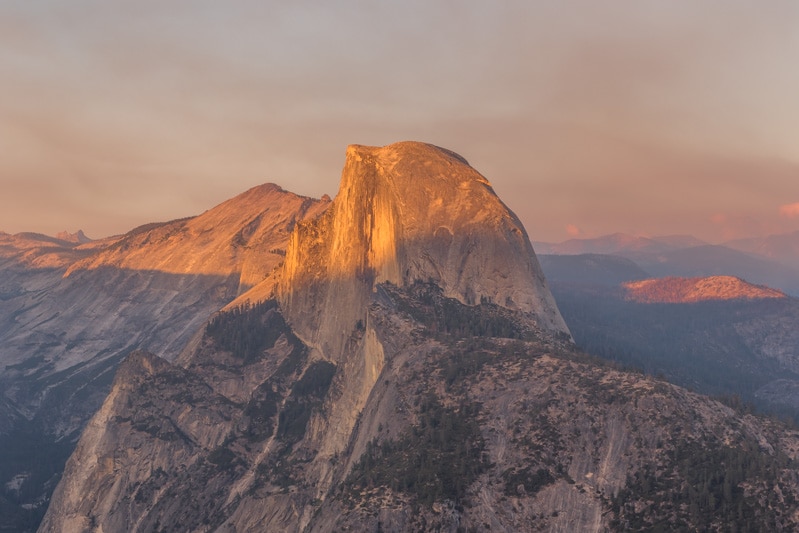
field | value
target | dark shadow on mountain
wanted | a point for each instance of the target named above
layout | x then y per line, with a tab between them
590	269
723	348
62	339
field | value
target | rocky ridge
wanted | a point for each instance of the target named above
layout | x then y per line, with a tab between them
409	212
409	377
70	312
687	290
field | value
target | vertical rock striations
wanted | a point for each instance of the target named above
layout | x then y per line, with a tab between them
405	213
409	212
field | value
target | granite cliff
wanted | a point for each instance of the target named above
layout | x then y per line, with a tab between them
405	368
409	212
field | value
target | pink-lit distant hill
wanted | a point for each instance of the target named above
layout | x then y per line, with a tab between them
772	261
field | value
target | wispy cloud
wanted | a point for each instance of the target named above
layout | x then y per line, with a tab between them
790	210
641	117
573	231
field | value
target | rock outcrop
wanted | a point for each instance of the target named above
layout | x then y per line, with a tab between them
78	237
405	213
409	212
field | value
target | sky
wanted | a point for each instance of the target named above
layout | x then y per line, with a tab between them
642	117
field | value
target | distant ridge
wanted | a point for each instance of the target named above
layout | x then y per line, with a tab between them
689	290
773	261
780	247
617	243
78	237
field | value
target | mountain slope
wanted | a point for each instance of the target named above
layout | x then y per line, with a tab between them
152	288
395	384
780	247
703	333
70	313
770	261
244	236
460	430
688	290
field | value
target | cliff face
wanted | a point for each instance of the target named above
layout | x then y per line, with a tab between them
405	213
409	212
412	373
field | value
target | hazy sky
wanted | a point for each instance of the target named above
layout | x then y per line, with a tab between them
649	117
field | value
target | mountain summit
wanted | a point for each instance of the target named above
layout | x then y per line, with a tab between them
686	290
404	213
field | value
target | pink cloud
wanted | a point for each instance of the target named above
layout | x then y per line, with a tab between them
573	230
790	210
730	226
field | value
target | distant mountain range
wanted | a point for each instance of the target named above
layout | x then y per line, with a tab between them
783	248
618	243
716	334
772	261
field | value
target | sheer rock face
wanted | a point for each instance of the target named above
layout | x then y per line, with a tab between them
404	213
409	212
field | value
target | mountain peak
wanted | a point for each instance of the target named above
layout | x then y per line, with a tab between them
404	150
689	290
404	213
244	236
78	237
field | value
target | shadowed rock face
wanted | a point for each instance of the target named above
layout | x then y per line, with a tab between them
409	212
70	312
